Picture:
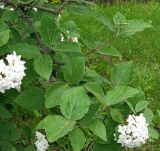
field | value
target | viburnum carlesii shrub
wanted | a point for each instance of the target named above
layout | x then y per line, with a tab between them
52	61
135	133
41	142
11	72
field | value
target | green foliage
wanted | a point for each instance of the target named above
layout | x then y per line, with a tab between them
54	93
62	95
75	103
74	70
77	139
43	66
120	94
141	105
31	99
98	128
67	47
56	126
26	50
148	115
110	51
122	73
116	115
48	31
123	27
4	33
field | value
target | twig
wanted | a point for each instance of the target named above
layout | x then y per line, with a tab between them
62	6
51	10
40	43
37	36
56	10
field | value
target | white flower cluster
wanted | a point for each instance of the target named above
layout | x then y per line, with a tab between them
35	9
72	39
59	17
135	133
41	143
11	72
2	7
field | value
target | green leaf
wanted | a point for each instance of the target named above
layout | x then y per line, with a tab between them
4	33
88	40
134	26
49	31
109	51
108	147
74	70
158	111
141	105
119	18
148	114
26	132
31	99
98	128
153	133
26	50
93	109
9	16
130	106
31	74
75	103
8	132
56	127
7	146
120	94
30	148
77	139
66	46
43	66
4	113
122	73
71	27
96	90
96	77
54	93
4	37
116	115
104	20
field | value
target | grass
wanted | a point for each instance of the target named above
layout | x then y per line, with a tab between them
143	48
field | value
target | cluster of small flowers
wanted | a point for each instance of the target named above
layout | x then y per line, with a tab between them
12	9
12	73
135	133
72	39
41	143
2	7
35	9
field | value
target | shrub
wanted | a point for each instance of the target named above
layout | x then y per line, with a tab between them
61	104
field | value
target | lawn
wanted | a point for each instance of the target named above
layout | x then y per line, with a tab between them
143	48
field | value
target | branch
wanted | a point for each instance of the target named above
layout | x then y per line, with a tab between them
29	22
62	6
37	36
57	10
40	43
